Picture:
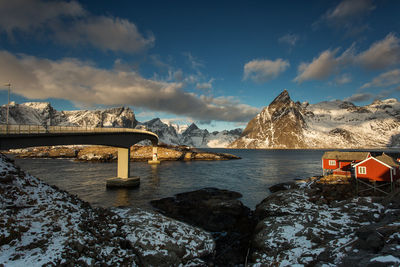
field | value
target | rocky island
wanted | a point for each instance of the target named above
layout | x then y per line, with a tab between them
109	154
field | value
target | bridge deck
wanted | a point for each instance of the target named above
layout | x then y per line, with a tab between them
20	136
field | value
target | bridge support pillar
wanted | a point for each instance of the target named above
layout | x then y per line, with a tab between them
154	160
123	179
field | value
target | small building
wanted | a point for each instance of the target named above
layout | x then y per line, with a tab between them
380	168
340	162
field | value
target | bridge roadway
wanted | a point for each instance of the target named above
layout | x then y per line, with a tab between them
22	136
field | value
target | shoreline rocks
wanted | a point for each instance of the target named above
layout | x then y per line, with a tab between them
109	154
43	225
218	211
316	221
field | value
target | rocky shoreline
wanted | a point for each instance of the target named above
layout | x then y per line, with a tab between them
109	154
312	222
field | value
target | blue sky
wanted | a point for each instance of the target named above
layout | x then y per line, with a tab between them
216	63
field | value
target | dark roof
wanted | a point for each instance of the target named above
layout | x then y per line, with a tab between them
387	160
341	155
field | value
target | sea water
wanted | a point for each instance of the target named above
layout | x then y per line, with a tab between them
251	176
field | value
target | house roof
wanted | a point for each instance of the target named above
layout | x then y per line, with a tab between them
341	155
387	160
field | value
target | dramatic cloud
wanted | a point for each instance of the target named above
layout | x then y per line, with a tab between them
69	23
348	14
320	68
348	10
289	39
363	97
29	15
264	70
83	83
385	79
360	97
106	33
381	54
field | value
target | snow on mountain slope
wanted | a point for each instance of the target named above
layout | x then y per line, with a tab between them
189	135
329	124
42	113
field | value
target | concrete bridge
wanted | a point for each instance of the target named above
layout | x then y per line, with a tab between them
22	136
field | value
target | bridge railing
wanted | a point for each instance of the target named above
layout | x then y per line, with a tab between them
38	129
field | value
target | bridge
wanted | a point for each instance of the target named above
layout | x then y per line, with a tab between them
22	136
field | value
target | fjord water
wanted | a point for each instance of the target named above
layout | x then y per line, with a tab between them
251	176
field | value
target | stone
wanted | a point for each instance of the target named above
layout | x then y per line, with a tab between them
122	182
218	211
281	187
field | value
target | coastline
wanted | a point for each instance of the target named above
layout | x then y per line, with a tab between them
305	223
109	154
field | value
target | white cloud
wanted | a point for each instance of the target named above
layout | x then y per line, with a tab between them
360	97
290	39
320	68
385	79
349	9
348	15
106	33
381	54
84	83
264	70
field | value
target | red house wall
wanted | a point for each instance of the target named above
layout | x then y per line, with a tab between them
345	165
325	164
375	171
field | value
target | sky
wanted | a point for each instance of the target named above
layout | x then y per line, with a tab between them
215	63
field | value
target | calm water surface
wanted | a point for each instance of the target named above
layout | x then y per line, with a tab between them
251	176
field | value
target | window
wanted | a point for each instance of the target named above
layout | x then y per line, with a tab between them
332	162
362	170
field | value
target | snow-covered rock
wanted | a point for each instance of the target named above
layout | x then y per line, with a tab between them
42	225
329	124
191	135
42	113
294	229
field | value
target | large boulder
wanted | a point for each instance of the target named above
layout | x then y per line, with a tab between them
218	211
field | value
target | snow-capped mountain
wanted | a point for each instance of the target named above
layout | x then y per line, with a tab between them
189	135
329	124
42	113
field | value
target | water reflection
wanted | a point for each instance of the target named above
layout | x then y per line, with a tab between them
251	176
122	198
155	179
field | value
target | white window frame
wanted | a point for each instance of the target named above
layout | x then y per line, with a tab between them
332	162
362	170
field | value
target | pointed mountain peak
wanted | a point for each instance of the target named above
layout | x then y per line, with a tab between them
191	128
154	121
282	98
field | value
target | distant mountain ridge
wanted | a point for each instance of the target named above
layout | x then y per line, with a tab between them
42	113
330	124
190	135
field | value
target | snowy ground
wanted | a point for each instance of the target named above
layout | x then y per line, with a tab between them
40	224
295	230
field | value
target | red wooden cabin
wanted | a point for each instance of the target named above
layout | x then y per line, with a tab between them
340	162
380	168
